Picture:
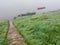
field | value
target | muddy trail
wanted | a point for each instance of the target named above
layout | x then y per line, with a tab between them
14	38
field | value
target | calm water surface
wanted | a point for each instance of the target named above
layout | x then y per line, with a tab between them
12	8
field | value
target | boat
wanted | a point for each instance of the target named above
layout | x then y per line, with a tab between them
41	7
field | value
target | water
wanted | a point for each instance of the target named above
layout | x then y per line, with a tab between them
12	8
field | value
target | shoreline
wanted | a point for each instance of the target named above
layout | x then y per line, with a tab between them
2	20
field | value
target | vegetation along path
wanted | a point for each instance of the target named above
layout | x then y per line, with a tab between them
13	36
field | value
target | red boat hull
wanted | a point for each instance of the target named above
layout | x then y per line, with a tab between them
41	8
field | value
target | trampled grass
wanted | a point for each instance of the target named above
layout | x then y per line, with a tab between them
3	33
40	29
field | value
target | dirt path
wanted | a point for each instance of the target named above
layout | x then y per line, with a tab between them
14	37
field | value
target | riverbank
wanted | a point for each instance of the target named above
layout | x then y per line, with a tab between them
41	29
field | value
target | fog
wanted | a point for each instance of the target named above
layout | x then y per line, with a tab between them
12	8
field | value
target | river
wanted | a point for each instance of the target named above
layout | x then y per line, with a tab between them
12	8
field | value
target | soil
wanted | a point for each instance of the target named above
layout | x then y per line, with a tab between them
14	38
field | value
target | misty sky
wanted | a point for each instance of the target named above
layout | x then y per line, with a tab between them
11	8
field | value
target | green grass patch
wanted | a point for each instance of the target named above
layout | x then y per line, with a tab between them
3	33
40	29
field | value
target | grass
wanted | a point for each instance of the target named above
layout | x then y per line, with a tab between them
3	33
40	29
